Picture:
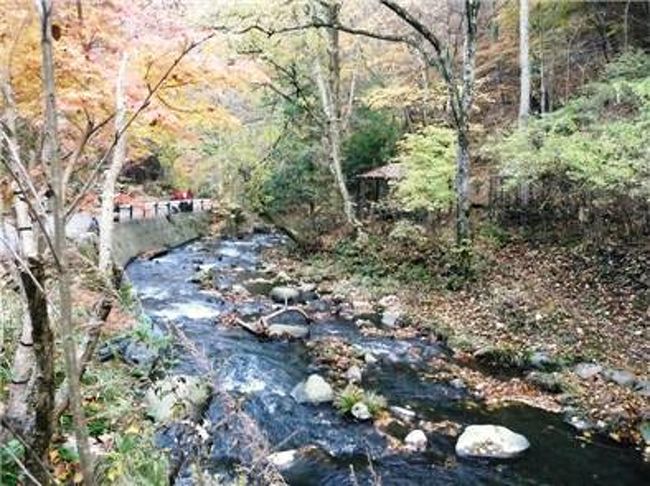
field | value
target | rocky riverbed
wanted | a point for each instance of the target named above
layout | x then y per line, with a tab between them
337	392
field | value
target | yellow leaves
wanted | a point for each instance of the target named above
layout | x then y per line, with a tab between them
115	472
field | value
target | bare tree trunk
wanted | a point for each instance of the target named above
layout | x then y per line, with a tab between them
108	192
331	101
460	100
463	230
334	142
524	63
52	161
31	392
626	24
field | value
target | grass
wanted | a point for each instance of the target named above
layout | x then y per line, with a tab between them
352	394
10	325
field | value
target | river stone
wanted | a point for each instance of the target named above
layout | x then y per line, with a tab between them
354	374
283	295
287	330
314	390
292	317
458	384
620	377
360	411
369	358
550	382
283	459
580	424
416	440
540	360
490	441
402	413
392	317
586	371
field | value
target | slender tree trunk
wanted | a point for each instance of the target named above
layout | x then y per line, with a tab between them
334	145
31	392
524	63
43	345
463	230
108	192
331	101
626	24
52	161
463	162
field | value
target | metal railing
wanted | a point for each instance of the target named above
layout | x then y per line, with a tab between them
159	209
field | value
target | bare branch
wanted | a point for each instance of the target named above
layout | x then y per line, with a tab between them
143	105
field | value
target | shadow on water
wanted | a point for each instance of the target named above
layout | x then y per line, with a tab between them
259	375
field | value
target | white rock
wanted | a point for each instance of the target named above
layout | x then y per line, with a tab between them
283	459
287	330
416	440
354	374
403	413
490	441
360	411
284	294
370	358
391	317
314	390
586	371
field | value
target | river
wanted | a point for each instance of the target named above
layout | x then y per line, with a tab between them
252	408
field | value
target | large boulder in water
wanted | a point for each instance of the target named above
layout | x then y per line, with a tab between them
490	441
292	323
288	331
314	390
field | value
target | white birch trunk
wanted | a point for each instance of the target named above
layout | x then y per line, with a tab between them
524	63
108	190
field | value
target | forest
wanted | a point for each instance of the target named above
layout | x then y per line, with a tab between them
364	242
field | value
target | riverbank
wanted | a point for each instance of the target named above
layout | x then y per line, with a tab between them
555	327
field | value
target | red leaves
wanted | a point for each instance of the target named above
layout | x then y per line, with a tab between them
56	31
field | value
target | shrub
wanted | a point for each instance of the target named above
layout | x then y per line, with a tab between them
429	157
597	142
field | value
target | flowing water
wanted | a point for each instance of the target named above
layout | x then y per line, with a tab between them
257	375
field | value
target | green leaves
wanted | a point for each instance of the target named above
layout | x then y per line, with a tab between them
429	159
599	140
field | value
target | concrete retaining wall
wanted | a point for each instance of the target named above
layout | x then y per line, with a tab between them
132	238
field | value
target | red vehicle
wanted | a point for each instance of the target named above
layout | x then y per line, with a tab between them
185	197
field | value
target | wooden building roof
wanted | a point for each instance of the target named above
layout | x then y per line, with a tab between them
393	171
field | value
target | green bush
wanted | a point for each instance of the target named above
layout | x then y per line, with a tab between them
598	141
10	453
428	156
